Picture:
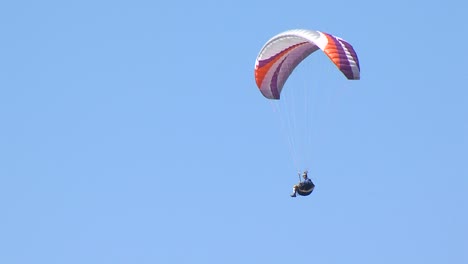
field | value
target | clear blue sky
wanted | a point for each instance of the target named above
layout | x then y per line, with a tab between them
133	132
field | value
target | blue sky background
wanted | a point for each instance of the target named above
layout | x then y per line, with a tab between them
133	132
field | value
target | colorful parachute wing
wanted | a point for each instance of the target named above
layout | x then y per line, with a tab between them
281	54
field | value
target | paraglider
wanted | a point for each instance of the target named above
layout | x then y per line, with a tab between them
304	187
284	52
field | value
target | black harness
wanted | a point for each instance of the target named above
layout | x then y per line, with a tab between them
306	189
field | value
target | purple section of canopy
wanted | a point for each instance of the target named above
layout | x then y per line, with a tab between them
352	52
274	81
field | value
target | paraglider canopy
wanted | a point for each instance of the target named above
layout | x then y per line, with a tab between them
282	53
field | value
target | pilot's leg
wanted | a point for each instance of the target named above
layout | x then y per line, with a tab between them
294	190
